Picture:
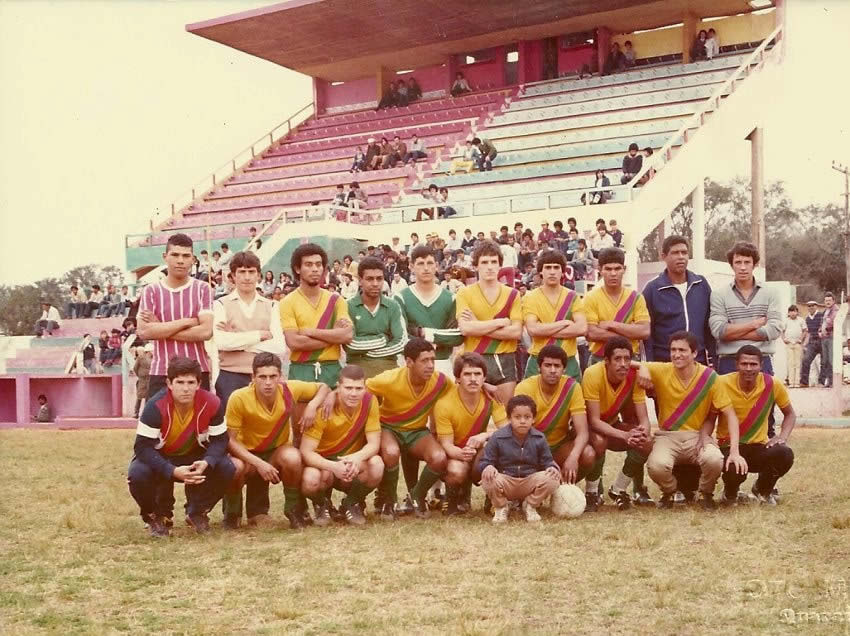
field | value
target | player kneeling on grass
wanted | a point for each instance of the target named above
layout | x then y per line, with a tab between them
616	409
461	418
180	437
259	418
517	463
341	450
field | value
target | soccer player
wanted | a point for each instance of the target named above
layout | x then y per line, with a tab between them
687	391
490	318
408	395
613	310
341	451
754	393
461	418
559	400
616	409
260	421
180	437
175	313
379	329
553	315
244	324
315	322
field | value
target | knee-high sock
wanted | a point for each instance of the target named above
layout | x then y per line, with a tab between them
633	467
427	479
357	493
410	468
231	504
388	487
292	497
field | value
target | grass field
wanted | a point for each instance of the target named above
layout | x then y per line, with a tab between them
75	559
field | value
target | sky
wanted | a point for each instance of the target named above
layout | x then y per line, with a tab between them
111	110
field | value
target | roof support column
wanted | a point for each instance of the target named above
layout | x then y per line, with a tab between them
382	81
451	70
689	33
603	45
757	184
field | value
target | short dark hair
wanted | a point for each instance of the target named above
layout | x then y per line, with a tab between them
179	240
370	262
421	251
552	351
670	241
352	372
225	245
486	248
748	350
181	365
611	255
828	295
743	248
617	342
96	286
633	146
475	141
521	400
469	359
551	257
42	396
573	219
558	224
246	260
302	251
793	308
266	359
415	347
688	337
75	287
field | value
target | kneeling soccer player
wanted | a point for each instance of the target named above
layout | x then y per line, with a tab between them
517	463
461	418
753	394
259	418
341	451
180	437
616	409
562	418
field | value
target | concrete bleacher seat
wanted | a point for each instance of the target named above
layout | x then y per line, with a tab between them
309	182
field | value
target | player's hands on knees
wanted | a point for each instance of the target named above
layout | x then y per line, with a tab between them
738	462
554	473
344	470
187	476
488	474
268	472
569	471
637	437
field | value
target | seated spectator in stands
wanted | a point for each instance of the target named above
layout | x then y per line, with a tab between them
268	283
49	321
103	311
402	93
430	195
397	285
480	236
113	348
460	85
416	150
503	234
42	415
373	149
560	237
698	48
89	354
414	91
467	160
277	294
95	298
468	242
600	196
632	163
128	301
284	278
75	307
451	282
204	266
712	46
615	233
129	326
527	248
601	239
572	243
454	242
390	97
545	235
358	163
615	61
397	152
629	55
649	173
340	197
226	257
357	197
582	261
382	151
518	232
486	153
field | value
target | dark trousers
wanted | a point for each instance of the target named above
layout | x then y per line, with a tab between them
825	377
770	464
813	350
157	382
726	364
228	382
154	493
45	325
413	155
75	310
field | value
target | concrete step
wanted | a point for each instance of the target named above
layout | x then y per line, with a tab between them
76	423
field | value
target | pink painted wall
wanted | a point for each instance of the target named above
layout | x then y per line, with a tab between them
352	92
530	61
76	396
8	400
491	72
430	78
572	59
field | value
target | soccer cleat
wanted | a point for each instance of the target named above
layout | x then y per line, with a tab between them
199	522
167	521
591	502
642	498
420	507
679	498
296	520
707	502
378	502
406	506
728	500
231	523
769	500
156	527
531	514
624	502
666	501
323	515
306	519
612	494
500	515
353	515
388	512
438	499
338	515
775	493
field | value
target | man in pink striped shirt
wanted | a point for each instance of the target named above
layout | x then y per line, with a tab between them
176	314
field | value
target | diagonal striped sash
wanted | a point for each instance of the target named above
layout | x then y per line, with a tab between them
419	409
564	311
488	345
480	424
625	392
273	439
755	419
344	447
183	443
624	313
549	422
690	402
326	320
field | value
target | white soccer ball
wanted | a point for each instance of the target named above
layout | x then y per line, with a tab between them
568	501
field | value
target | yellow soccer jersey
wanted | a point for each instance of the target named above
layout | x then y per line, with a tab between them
535	303
553	412
507	305
258	429
452	417
684	408
342	434
630	309
401	408
612	400
296	312
752	409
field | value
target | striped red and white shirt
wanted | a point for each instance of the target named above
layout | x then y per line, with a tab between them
167	304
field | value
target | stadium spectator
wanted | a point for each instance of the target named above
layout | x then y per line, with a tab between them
519	229
43	415
486	153
510	261
793	333
582	261
49	321
416	150
340	197
110	303
825	334
142	370
414	91
268	284
545	235
599	196
527	248
712	46
629	55
75	306
698	49
390	97
126	302
398	283
601	239
466	161
373	149
431	196
89	354
560	237
454	243
460	85
572	243
396	152
615	233
648	152
402	93
811	341
468	242
632	163
615	61
358	162
225	256
357	197
95	298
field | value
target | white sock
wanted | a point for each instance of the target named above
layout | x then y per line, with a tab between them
621	483
591	487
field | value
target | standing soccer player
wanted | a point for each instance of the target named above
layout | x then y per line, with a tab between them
461	417
611	309
490	318
315	322
175	313
553	315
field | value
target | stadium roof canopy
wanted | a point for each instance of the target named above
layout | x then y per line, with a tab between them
340	40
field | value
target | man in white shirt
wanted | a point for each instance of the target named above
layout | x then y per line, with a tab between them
601	239
453	243
398	284
348	287
49	320
226	256
76	305
792	335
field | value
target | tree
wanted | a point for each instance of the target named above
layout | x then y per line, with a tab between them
20	306
87	275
